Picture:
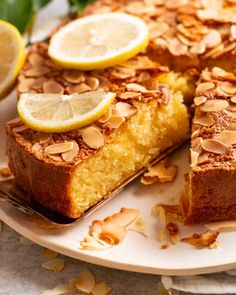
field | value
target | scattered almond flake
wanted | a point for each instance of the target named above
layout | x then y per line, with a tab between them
73	76
86	281
101	289
198	100
59	148
204	119
228	87
5	172
93	137
139	226
222	226
125	109
70	155
129	95
124	217
201	240
20	128
51	86
36	147
214	105
164	171
56	264
136	87
49	254
42	223
212	39
214	146
173	231
177	48
92	82
198	48
205	86
26	242
105	117
168	213
93	244
214	245
112	233
60	289
165	246
115	121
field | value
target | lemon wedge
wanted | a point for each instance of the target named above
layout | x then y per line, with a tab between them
60	113
12	56
98	41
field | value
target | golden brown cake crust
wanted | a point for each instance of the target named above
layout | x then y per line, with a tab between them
213	149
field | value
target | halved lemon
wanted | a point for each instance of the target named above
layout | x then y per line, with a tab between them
12	56
98	41
60	113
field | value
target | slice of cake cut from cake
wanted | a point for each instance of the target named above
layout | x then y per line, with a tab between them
212	183
71	172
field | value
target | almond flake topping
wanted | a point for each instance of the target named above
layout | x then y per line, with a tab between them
36	147
194	158
136	87
204	119
104	118
198	48
200	100
70	155
177	48
36	60
92	82
59	148
158	29
81	88
115	121
212	39
228	87
228	137
129	94
52	86
25	85
233	99
37	71
73	76
44	137
126	109
218	72
93	137
19	129
214	146
214	105
206	86
233	32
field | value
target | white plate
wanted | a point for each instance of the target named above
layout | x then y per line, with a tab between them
135	253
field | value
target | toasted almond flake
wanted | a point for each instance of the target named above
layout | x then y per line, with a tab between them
96	228
25	85
194	158
86	281
56	264
214	105
92	82
197	144
104	83
204	119
93	137
203	158
129	94
112	232
143	77
37	71
92	244
36	147
125	109
104	118
35	59
232	126
81	88
26	242
49	254
70	155
124	217
233	99
177	48
19	129
51	86
218	72
16	120
198	48
212	39
55	158
44	137
136	87
59	148
200	100
5	172
222	226
139	226
73	76
214	146
158	29
205	86
233	32
228	87
60	289
101	289
201	240
115	121
227	137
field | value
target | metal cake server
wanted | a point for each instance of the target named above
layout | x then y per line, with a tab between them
11	194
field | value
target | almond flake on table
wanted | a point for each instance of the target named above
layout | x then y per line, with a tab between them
56	264
60	289
49	254
139	226
85	282
101	289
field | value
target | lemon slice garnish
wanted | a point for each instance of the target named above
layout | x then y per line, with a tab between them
60	113
98	41
12	56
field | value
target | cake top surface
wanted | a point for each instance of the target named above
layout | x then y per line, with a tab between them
133	81
214	124
183	27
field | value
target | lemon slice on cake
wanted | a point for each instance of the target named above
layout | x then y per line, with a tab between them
60	113
98	41
12	56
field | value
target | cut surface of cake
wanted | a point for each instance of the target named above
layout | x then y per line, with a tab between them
141	124
212	183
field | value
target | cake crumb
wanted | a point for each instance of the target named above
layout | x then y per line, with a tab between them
165	246
202	240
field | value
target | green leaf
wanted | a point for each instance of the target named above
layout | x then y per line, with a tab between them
80	4
17	12
38	4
